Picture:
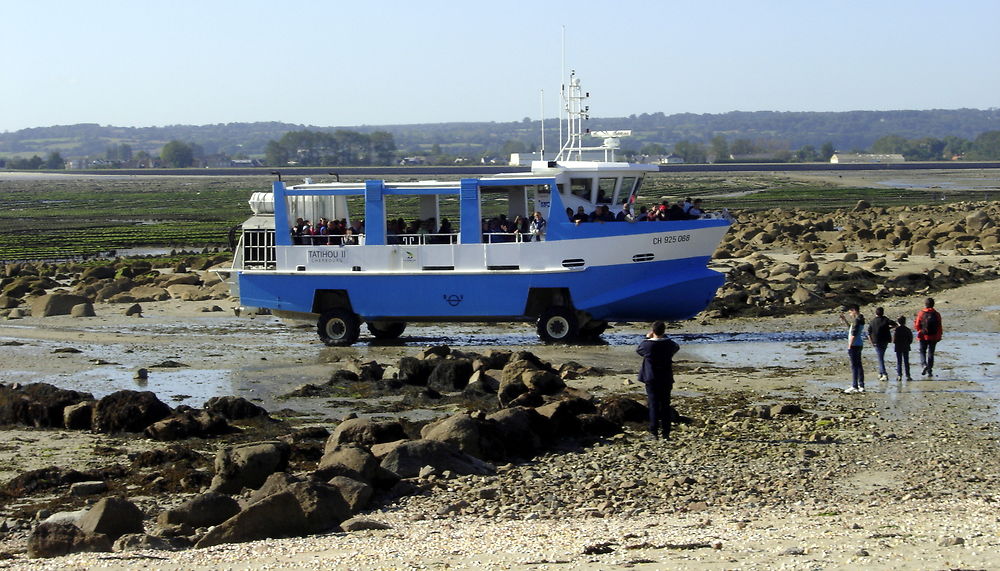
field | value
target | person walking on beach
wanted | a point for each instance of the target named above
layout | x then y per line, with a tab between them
855	340
929	332
880	335
657	374
902	338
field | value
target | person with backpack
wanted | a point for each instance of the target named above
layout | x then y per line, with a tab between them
855	340
880	335
929	332
902	338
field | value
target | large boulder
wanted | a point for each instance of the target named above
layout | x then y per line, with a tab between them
460	429
55	539
523	431
234	408
186	292
511	387
248	466
278	515
481	385
188	424
142	293
542	382
348	459
128	411
562	415
322	504
450	375
357	494
113	517
407	458
204	510
620	410
55	304
144	542
37	404
85	309
366	432
169	280
413	371
102	272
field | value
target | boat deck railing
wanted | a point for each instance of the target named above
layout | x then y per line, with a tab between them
422	239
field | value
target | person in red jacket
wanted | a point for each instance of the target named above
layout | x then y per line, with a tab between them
929	329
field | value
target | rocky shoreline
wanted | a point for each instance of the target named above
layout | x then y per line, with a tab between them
530	457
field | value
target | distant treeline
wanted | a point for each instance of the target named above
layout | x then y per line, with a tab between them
788	132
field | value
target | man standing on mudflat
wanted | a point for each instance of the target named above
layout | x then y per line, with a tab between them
929	330
658	375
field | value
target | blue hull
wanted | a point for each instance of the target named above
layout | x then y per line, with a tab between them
668	290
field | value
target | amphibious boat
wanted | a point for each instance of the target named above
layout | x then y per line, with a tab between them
571	278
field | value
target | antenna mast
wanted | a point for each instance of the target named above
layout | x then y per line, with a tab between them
576	113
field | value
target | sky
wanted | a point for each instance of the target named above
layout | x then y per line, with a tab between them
337	63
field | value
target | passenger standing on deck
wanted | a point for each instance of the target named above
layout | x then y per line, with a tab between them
929	331
880	335
657	374
902	338
855	340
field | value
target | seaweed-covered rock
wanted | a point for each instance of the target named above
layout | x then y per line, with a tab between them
56	539
128	411
37	404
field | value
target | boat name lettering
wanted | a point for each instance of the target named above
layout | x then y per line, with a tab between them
327	256
671	239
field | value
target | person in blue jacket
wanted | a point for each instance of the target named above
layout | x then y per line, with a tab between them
657	374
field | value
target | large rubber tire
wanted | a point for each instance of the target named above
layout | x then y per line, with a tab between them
338	328
386	329
558	324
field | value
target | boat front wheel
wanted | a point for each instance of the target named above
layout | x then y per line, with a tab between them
558	324
338	328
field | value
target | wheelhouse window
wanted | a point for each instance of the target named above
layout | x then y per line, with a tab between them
581	187
628	189
606	190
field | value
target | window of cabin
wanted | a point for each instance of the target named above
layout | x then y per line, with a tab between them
606	190
581	187
628	189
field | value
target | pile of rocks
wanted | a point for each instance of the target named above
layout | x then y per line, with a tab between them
964	227
46	406
256	491
72	289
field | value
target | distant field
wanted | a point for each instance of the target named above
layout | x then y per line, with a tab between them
65	216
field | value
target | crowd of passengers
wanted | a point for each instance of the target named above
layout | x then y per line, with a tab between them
419	231
327	232
496	229
682	210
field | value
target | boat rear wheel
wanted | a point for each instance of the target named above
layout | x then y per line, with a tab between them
338	328
558	324
386	329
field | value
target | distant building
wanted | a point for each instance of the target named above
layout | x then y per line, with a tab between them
847	158
671	159
245	163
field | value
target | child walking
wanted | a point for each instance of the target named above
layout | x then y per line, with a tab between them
902	338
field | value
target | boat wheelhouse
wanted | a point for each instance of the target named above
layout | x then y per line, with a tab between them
571	278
